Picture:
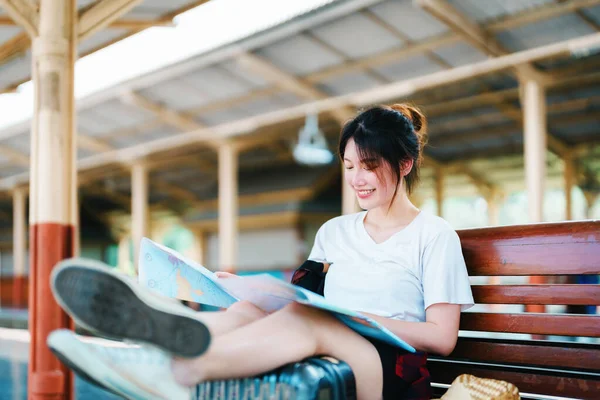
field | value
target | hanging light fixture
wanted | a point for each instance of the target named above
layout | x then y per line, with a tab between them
312	148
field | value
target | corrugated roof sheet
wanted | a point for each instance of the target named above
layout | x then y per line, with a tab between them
413	22
459	54
348	83
299	55
544	32
407	68
482	11
356	36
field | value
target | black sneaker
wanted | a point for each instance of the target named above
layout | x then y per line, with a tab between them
113	305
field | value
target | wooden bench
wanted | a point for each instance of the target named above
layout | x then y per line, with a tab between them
535	366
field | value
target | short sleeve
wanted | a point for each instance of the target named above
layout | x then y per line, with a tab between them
318	251
445	278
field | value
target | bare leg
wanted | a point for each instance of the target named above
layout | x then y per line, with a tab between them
236	316
288	335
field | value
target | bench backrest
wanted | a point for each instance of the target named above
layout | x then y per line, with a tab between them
536	366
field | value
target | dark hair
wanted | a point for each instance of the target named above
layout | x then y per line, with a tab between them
393	134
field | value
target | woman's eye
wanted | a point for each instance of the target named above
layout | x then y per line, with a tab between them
348	167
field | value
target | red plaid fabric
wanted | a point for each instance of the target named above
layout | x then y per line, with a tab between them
412	369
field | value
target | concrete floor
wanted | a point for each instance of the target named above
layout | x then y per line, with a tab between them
14	353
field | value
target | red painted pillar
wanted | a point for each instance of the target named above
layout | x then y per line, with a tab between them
53	200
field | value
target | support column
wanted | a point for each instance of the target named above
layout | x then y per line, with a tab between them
590	200
228	207
534	119
534	132
139	208
53	188
569	183
494	200
200	246
439	191
19	243
349	200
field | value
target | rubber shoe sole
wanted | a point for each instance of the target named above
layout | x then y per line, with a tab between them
105	303
75	356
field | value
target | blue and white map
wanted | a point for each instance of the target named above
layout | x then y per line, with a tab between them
173	275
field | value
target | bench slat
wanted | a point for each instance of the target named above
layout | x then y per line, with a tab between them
568	248
537	294
548	354
542	324
528	381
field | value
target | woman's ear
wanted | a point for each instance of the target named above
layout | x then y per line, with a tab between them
406	167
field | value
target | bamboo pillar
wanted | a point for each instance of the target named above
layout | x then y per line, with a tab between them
19	250
534	120
53	187
439	191
590	199
199	251
139	208
228	207
569	182
494	200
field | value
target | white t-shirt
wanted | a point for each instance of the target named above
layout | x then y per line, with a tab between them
416	267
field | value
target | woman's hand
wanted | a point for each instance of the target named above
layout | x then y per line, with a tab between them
223	274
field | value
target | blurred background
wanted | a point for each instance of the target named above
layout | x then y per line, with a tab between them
211	126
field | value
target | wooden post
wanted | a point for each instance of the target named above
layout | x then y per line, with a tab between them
439	191
139	207
198	253
569	182
19	243
534	119
53	187
349	200
494	200
534	131
590	199
228	207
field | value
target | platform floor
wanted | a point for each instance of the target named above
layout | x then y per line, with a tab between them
14	354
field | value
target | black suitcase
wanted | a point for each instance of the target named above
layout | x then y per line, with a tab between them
316	378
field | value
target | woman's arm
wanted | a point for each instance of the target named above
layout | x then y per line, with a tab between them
437	335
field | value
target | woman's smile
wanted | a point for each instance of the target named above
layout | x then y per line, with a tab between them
363	194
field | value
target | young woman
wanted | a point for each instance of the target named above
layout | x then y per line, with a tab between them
397	264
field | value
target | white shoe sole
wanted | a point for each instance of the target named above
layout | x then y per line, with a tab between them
107	303
85	363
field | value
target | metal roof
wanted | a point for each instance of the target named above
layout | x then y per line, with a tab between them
347	46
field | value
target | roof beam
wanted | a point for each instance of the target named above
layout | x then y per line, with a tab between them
395	90
118	24
99	146
103	14
14	47
14	155
174	118
547	11
479	132
179	120
24	13
475	34
92	144
290	82
403	38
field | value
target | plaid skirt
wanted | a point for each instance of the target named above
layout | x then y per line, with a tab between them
405	375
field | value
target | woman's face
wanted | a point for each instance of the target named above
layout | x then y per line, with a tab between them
371	190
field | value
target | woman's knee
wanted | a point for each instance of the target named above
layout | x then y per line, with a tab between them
247	310
318	322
